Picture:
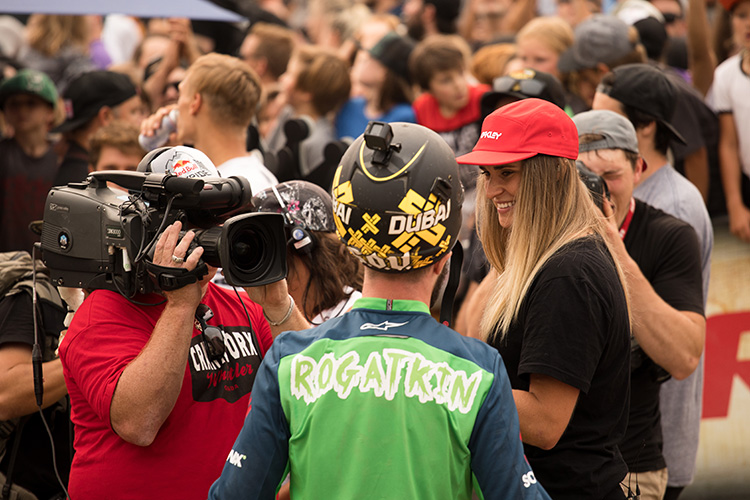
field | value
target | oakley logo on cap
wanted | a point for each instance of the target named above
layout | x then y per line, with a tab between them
490	135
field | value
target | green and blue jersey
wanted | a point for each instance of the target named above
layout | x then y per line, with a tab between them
380	404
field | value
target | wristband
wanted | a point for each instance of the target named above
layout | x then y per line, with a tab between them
286	316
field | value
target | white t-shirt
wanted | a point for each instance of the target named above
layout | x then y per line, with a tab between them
250	167
339	308
729	94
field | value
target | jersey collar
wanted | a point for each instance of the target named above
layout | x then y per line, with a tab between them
398	305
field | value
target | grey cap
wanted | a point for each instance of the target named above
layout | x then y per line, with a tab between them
616	130
599	39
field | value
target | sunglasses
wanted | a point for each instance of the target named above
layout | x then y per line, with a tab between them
530	88
213	338
670	17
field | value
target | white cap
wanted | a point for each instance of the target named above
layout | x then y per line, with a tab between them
183	161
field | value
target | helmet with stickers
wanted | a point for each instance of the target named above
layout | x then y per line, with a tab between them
397	197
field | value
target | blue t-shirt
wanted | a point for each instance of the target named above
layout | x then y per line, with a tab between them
351	120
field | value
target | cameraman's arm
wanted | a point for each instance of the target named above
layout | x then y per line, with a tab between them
17	381
673	339
275	301
148	388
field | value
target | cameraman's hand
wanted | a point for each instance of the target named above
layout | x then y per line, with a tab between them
273	298
168	252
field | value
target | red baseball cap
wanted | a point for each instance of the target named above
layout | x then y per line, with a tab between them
729	4
521	130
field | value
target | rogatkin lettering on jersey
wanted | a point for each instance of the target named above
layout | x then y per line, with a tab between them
233	376
386	373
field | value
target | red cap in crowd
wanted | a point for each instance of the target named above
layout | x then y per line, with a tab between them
729	4
521	130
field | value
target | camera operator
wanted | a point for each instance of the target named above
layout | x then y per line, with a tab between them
156	409
661	256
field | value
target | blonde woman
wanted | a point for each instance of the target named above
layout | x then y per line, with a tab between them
58	46
541	42
557	313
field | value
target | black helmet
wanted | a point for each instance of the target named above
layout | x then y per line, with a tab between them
397	197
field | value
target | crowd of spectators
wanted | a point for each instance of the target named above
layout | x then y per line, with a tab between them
280	97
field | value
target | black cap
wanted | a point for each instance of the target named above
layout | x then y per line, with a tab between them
653	36
393	51
647	89
523	84
90	92
446	9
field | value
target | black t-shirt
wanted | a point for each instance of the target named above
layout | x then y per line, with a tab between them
75	165
668	253
24	184
573	325
33	467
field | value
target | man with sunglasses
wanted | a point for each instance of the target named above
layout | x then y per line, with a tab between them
160	384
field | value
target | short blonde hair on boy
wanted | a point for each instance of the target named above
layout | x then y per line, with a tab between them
229	86
325	76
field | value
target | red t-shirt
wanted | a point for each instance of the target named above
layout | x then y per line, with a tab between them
189	451
427	111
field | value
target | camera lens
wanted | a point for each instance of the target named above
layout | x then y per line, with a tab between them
247	249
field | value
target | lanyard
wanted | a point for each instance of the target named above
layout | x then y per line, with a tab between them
628	219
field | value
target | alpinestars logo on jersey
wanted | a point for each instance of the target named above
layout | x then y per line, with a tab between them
384	374
384	326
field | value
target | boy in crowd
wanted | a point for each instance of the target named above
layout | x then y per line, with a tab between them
450	105
316	84
93	100
116	147
28	163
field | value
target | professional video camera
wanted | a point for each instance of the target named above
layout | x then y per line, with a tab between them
99	237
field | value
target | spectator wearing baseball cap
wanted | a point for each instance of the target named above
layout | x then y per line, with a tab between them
384	80
645	96
28	162
93	100
728	97
557	311
602	42
661	256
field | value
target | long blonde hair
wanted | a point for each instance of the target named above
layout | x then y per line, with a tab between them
49	33
553	207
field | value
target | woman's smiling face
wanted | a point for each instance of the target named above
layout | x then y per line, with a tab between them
501	187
